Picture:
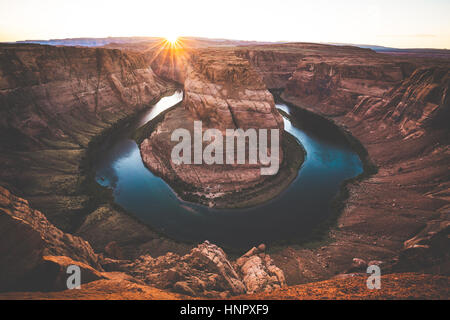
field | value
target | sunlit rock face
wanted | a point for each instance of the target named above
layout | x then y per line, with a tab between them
169	62
221	88
223	92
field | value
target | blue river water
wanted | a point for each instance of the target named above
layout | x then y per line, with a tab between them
291	216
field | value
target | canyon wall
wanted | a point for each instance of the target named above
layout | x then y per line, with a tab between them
421	102
398	109
55	100
65	94
405	135
225	92
275	67
336	84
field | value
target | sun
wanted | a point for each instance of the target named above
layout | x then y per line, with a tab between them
172	39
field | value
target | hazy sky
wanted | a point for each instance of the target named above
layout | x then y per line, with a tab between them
395	23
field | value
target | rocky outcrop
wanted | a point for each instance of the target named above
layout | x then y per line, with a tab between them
34	254
224	92
427	250
207	271
258	271
42	254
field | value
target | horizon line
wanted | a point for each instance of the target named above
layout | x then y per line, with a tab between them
223	39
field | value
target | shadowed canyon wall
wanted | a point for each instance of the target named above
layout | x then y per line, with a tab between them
55	100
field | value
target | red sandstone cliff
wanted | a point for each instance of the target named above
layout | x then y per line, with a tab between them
67	93
225	92
55	100
398	109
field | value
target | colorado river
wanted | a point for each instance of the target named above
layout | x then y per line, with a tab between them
289	217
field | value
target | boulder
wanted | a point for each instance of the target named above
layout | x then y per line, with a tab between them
28	241
359	264
258	271
205	270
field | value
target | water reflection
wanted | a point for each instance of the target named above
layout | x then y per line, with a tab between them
162	105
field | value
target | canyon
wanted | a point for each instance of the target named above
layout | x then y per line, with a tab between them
58	102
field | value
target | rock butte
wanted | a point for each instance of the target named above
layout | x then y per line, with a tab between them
224	92
58	100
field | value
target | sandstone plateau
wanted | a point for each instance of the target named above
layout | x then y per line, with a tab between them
57	103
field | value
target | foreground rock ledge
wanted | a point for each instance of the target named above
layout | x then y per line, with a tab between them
207	271
42	253
34	254
395	286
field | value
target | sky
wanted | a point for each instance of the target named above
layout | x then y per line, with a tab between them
392	23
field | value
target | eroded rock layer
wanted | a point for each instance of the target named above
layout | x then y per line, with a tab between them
397	109
34	254
54	101
223	92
